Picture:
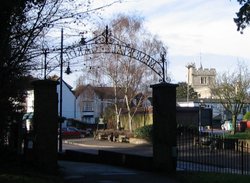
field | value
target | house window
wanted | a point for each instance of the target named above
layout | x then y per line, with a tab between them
203	80
88	106
88	119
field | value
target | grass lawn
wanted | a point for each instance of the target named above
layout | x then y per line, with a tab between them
19	178
17	173
198	177
239	135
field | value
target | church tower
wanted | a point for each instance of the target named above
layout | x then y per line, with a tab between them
201	80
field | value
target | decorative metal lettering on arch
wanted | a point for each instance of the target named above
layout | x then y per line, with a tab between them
106	43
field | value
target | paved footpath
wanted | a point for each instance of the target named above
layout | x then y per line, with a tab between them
76	172
91	145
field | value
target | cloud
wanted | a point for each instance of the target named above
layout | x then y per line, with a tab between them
222	63
197	24
190	28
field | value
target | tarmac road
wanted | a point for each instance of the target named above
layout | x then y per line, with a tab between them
76	172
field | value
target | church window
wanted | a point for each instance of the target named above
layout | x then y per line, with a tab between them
203	80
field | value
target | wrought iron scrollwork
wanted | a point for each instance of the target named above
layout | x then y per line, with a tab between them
107	43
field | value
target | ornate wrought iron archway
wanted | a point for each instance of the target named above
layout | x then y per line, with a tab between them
106	43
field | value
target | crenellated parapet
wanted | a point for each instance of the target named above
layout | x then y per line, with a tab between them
204	72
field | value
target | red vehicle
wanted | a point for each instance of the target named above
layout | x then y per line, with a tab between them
71	132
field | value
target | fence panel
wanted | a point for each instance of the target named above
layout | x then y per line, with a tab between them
208	152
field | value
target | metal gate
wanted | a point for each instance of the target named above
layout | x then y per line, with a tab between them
211	152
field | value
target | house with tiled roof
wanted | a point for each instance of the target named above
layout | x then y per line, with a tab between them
93	100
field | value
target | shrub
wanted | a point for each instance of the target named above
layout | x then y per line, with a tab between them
144	132
247	116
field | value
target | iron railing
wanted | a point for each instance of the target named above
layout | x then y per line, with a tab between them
212	152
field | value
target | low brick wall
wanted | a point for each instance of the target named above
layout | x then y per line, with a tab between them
72	155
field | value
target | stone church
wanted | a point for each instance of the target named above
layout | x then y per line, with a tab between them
201	80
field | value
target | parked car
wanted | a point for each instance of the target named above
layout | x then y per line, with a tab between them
227	125
240	125
71	132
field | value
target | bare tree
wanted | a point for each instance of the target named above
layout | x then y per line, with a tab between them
25	30
126	73
232	89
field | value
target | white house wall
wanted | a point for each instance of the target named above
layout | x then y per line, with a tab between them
69	109
30	101
68	102
98	106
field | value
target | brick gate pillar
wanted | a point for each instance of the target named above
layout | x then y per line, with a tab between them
164	127
45	125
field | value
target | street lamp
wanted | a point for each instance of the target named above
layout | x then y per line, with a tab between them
163	59
60	107
45	51
201	105
68	71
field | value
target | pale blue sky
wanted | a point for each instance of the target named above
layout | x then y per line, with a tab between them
200	31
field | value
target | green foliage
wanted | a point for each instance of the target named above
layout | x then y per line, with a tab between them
181	91
197	177
243	15
139	120
239	135
246	116
144	132
12	178
109	117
